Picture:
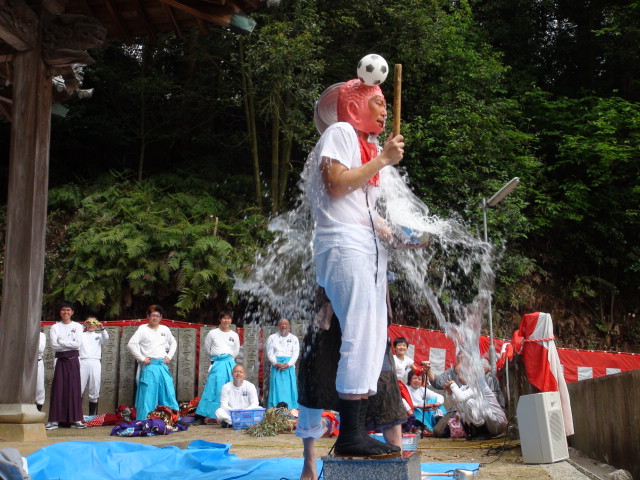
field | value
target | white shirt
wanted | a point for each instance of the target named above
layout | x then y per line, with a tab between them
91	344
42	345
65	336
219	342
419	399
403	367
340	221
147	342
279	346
243	397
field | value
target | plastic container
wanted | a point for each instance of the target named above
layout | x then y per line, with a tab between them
409	440
242	419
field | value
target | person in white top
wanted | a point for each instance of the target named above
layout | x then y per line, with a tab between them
283	349
91	343
480	413
343	176
223	345
40	393
66	397
428	406
236	395
153	346
404	363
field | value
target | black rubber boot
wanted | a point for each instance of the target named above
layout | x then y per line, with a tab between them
93	408
352	439
39	407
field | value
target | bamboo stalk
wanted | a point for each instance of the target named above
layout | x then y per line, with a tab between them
397	98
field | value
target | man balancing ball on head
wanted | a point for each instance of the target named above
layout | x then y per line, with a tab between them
343	177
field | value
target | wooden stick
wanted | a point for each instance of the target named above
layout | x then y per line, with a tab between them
425	474
397	98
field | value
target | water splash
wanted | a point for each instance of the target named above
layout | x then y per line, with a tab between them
453	275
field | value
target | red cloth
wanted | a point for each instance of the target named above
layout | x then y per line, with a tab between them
368	152
404	393
536	355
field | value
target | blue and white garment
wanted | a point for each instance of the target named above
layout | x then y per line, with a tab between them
282	383
422	396
155	387
219	375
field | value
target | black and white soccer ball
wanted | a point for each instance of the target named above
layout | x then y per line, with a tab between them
372	69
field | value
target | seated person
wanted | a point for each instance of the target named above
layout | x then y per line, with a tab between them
492	382
236	395
482	417
428	406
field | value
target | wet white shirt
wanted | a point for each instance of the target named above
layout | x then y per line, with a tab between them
340	221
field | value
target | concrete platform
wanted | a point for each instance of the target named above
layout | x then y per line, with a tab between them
405	467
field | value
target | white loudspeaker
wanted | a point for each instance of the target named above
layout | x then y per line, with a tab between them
541	427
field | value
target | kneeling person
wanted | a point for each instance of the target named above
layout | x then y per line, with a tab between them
481	414
236	395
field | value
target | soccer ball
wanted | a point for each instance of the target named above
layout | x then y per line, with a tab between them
372	70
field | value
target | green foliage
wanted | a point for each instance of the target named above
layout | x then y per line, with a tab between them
152	240
473	117
589	199
275	421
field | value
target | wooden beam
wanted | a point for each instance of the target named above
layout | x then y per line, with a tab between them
145	20
26	227
172	20
18	24
126	34
220	15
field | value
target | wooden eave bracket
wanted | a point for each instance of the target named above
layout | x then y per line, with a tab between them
18	25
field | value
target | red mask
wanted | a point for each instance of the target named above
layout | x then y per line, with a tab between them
353	106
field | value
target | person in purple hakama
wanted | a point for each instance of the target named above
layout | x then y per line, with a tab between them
66	396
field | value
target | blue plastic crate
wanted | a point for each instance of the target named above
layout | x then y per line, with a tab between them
242	419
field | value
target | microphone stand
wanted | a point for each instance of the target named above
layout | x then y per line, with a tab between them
424	402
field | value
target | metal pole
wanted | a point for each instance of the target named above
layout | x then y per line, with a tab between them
492	352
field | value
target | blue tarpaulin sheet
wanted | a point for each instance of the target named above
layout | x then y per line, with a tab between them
200	460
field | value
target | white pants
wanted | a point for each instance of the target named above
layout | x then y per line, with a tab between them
91	373
356	284
40	397
310	423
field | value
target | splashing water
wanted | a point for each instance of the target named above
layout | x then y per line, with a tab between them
453	275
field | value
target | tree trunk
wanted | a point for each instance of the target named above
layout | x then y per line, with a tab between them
285	156
250	118
275	152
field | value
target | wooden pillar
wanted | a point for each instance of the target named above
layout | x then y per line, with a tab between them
24	248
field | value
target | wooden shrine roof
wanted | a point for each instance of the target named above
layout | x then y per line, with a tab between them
124	20
128	19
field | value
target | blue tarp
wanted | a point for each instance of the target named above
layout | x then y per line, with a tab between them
200	460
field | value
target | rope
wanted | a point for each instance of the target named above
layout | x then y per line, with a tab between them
527	340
